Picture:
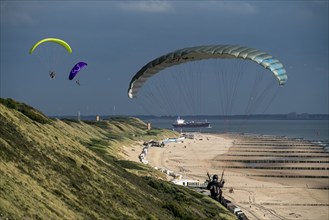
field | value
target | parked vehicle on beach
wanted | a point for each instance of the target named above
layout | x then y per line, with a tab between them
154	144
186	182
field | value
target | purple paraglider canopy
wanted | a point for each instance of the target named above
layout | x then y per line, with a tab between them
77	67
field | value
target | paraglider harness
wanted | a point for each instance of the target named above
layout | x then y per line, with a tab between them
52	74
215	187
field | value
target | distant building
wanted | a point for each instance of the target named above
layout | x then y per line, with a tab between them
292	115
304	116
148	126
97	117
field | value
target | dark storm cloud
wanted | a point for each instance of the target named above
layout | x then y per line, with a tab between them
117	38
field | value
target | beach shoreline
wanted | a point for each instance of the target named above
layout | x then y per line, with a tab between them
270	176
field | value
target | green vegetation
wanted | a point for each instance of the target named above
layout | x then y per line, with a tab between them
65	169
28	111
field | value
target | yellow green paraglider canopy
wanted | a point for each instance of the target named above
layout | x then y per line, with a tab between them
54	40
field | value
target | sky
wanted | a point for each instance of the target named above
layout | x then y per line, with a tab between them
117	38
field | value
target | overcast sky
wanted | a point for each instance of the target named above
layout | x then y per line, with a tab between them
116	38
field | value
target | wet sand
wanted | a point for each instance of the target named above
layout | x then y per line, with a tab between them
271	177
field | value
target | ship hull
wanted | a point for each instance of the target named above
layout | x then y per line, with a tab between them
192	125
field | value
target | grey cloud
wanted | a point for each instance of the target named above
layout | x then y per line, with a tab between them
145	6
225	7
19	13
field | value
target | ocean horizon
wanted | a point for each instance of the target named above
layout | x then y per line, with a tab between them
316	131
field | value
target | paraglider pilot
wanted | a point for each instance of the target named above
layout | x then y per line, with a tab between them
52	74
215	188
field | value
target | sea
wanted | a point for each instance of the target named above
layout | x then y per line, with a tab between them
316	131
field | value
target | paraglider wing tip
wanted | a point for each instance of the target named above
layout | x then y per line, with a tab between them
32	49
130	93
283	81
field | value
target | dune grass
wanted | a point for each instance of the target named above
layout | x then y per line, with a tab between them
66	169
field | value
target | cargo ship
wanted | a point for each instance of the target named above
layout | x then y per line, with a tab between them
180	123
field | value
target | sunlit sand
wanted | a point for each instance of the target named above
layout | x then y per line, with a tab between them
260	193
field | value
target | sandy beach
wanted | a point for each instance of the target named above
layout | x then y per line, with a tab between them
271	177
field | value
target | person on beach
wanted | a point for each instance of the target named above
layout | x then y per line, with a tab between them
215	188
